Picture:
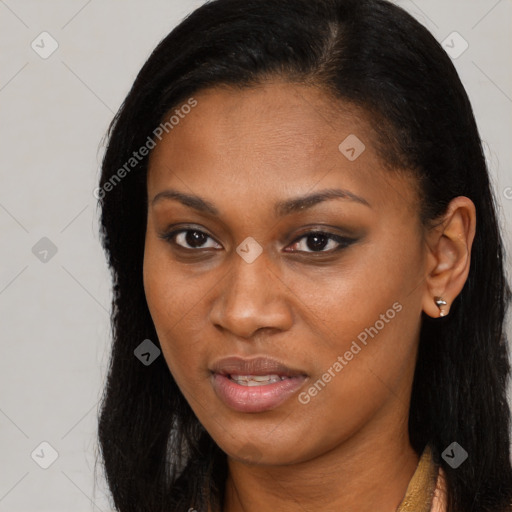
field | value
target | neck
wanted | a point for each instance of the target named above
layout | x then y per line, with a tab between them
367	472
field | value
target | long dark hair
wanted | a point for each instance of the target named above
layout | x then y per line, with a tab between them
372	54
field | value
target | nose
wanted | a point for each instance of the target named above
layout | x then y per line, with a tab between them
251	297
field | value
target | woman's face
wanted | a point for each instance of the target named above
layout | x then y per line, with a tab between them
290	324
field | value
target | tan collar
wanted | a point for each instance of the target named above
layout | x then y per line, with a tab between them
423	493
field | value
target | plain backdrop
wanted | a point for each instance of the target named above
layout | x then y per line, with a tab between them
54	284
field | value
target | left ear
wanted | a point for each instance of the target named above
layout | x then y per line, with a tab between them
449	256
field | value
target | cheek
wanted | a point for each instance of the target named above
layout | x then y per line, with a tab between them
171	300
364	372
370	317
347	298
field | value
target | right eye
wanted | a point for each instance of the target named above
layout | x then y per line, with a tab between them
189	239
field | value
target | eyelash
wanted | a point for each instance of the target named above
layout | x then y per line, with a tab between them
343	242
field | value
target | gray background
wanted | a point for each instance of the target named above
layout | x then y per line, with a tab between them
54	307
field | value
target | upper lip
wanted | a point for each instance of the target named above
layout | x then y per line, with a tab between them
255	366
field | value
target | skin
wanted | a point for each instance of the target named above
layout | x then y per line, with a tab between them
348	448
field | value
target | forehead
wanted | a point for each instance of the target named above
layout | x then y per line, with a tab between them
269	119
270	139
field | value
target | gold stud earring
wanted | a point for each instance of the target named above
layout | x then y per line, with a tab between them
440	302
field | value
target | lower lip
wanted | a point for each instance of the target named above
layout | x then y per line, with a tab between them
254	398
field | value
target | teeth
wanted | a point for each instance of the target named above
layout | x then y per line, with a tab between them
256	380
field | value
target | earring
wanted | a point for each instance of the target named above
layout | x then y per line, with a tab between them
440	302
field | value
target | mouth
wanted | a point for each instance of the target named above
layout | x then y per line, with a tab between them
254	385
256	380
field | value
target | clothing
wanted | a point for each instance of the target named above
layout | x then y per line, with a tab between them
426	491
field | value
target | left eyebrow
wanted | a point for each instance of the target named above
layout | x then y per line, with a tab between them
303	202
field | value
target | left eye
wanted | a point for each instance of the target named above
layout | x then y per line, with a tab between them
317	241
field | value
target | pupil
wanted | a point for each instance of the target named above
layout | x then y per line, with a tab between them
195	238
317	245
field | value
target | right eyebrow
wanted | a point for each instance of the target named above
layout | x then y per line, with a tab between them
195	202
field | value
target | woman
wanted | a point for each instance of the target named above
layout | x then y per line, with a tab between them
297	213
